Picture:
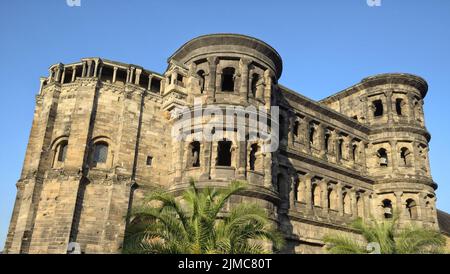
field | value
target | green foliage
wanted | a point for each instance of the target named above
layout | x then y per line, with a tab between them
391	238
199	226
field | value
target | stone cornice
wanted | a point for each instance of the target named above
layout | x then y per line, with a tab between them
326	165
311	104
388	78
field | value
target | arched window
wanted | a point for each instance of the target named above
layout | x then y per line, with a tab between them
387	208
411	207
300	190
194	159
327	141
405	157
254	83
382	157
332	199
316	195
201	74
296	128
312	133
224	153
252	160
228	79
398	106
355	152
340	148
347	203
62	151
378	108
100	152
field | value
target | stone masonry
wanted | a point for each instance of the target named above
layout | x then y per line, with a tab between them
101	139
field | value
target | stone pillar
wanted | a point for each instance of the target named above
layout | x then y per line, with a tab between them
308	190
267	166
89	68
96	62
243	66
179	161
324	195
83	72
411	112
150	78
340	201
399	204
268	88
367	208
394	156
138	76
206	159
354	205
114	74
241	163
41	84
174	77
74	72
321	139
100	71
338	153
212	61
389	106
63	75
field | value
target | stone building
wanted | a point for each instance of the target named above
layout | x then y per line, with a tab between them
101	139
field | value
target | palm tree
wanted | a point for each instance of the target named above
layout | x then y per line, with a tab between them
390	238
197	224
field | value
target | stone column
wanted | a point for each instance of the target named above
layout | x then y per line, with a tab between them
268	88
83	72
212	61
354	205
324	195
114	74
394	155
41	84
367	210
74	72
389	106
207	155
411	112
179	161
150	78
131	75
100	71
58	73
321	138
399	204
267	165
96	62
138	76
244	90
89	68
308	190
241	164
336	145
63	75
340	201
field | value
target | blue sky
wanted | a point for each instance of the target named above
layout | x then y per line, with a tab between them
326	46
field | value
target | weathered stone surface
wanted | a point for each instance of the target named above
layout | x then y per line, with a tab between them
101	139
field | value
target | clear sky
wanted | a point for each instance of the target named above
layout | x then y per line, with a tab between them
326	46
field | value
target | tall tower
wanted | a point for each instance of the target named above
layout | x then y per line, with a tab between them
234	76
398	148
